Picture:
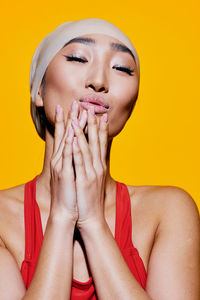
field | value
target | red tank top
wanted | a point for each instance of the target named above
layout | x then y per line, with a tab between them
123	229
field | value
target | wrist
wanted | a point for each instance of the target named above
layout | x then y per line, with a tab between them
92	227
62	220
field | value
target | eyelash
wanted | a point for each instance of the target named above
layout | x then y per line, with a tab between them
123	69
78	59
71	58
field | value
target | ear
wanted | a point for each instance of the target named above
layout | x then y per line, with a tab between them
39	100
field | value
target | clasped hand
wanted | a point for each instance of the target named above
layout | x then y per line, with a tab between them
78	166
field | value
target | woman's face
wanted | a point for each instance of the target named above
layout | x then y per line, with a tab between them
85	68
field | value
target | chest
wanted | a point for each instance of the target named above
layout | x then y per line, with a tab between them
142	238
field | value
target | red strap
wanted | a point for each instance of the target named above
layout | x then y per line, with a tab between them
123	227
28	219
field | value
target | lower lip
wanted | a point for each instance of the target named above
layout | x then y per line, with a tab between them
97	108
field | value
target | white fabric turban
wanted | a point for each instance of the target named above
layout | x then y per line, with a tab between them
55	41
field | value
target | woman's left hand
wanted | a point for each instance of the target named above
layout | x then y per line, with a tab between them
90	168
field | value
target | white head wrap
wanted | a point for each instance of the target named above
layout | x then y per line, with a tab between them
55	41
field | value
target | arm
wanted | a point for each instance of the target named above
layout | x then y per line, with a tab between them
174	266
53	275
174	263
112	276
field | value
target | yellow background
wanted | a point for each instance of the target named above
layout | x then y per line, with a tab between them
160	144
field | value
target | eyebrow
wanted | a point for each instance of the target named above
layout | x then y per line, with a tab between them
113	46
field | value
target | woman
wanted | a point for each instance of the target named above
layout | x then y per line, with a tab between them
76	241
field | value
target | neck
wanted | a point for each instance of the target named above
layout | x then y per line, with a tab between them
43	181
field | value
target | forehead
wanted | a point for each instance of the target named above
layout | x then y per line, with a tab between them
97	39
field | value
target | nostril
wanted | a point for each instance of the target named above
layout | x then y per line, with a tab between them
96	88
91	86
101	89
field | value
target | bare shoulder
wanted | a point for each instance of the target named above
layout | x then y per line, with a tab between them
10	198
163	200
11	205
167	233
158	209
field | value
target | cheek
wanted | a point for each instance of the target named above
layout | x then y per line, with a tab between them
61	85
126	93
60	80
124	97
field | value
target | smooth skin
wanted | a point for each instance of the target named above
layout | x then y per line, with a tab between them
165	219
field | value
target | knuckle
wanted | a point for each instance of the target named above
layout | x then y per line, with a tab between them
67	142
63	175
56	170
79	160
100	170
60	176
58	121
92	176
66	153
77	151
52	164
79	132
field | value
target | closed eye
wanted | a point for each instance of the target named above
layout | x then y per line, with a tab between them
81	60
126	70
75	58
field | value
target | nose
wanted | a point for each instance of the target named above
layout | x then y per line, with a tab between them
97	79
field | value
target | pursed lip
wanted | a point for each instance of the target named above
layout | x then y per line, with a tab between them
95	100
97	108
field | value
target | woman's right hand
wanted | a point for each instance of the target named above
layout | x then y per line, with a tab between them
63	192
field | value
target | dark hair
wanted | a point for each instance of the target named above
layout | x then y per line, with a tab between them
40	110
43	83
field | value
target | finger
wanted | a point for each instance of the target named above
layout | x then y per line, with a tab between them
78	160
59	128
75	108
67	166
83	145
93	136
83	118
73	112
103	137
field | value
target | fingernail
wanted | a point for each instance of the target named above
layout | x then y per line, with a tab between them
73	105
91	109
70	130
83	114
59	115
57	108
105	117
